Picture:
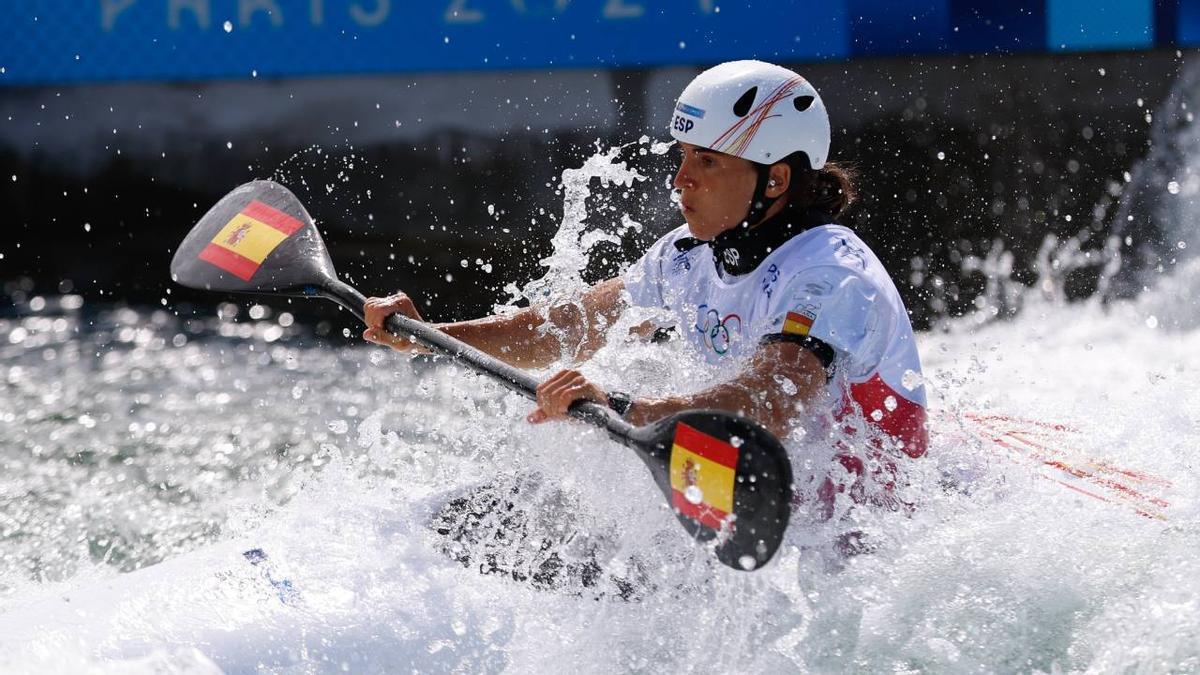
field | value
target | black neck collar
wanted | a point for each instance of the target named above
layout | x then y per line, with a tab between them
739	250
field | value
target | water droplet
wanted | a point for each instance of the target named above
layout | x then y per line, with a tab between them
911	380
1152	321
941	155
786	385
228	25
890	403
747	562
693	494
877	414
339	426
1173	187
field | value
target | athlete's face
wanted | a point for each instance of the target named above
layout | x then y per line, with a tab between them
714	190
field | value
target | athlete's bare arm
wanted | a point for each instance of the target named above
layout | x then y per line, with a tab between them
533	337
759	392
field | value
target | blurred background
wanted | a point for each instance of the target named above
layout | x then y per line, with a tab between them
998	143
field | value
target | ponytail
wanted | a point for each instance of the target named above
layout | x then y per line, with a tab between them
829	189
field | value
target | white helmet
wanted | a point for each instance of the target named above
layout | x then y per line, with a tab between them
753	110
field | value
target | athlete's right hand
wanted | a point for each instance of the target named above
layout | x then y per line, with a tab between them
377	310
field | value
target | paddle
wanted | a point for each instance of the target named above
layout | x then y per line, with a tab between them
727	479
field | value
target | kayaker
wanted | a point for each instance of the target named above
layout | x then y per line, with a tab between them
763	282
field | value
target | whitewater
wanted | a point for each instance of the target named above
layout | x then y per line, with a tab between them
144	455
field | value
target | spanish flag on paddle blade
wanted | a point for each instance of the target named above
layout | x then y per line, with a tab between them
246	240
703	470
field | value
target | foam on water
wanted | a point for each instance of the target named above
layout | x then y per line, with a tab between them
126	445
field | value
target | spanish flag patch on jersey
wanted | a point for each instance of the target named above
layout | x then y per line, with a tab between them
797	324
248	238
703	469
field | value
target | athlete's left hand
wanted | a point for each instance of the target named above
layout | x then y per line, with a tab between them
557	394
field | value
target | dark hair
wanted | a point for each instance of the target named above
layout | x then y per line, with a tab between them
829	189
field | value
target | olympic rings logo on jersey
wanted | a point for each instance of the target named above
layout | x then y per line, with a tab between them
717	331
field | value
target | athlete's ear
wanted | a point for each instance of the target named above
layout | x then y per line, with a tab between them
779	177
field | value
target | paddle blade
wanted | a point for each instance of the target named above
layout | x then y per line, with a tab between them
257	239
727	479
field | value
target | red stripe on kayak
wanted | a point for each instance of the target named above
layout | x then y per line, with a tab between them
1084	474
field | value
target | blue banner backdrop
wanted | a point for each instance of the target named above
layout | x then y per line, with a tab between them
50	41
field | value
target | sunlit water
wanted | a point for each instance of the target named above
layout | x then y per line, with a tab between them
131	438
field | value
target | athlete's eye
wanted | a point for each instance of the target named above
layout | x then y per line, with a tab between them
706	160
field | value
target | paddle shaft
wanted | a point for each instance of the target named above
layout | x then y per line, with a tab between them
514	378
750	484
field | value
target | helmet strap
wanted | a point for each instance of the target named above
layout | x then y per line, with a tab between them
727	244
760	203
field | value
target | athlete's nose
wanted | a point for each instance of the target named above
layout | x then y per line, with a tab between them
683	178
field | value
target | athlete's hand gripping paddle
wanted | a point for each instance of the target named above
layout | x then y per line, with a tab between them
727	479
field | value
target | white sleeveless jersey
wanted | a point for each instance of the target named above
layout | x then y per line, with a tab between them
823	283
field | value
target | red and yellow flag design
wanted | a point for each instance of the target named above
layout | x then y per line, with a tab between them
702	476
246	240
797	324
